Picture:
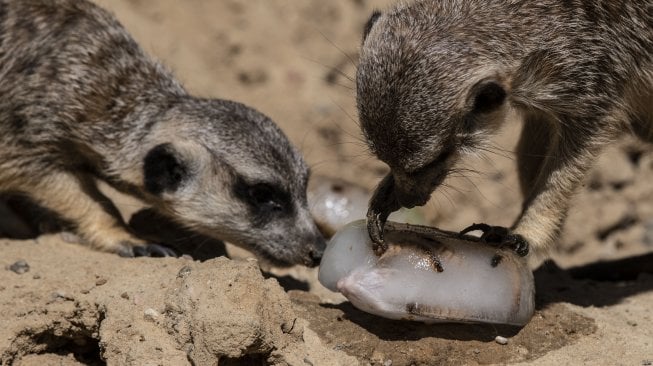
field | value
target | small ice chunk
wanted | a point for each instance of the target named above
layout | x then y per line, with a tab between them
334	203
428	275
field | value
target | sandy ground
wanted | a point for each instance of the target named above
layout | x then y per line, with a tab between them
294	61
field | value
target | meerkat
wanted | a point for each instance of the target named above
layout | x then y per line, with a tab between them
437	78
80	101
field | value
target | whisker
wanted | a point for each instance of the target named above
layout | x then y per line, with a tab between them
338	48
348	115
330	69
446	195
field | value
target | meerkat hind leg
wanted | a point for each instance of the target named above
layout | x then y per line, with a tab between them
81	203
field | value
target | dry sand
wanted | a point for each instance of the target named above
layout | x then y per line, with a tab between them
293	61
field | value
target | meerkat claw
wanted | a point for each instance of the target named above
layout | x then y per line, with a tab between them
518	244
500	237
473	227
154	250
379	248
375	224
148	250
382	204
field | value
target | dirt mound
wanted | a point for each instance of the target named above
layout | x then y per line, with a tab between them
146	311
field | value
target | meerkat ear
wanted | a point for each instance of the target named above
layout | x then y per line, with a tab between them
370	23
163	169
487	96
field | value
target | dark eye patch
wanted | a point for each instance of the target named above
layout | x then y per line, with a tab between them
262	194
265	200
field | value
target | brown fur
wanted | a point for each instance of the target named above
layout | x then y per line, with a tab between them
579	72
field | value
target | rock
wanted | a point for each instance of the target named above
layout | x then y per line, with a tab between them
151	314
250	317
19	267
100	281
501	340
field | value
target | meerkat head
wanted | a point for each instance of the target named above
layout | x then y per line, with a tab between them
424	96
229	172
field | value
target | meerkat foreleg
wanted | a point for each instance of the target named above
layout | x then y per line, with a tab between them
531	151
78	201
552	163
382	203
549	191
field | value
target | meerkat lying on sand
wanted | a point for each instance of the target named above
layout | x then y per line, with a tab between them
80	101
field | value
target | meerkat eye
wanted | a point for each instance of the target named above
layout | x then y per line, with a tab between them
435	164
262	197
263	194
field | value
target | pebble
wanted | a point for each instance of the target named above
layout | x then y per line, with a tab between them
125	295
70	238
184	271
151	314
19	267
61	295
501	340
100	281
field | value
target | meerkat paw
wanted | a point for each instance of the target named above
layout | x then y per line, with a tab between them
375	231
500	237
147	250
